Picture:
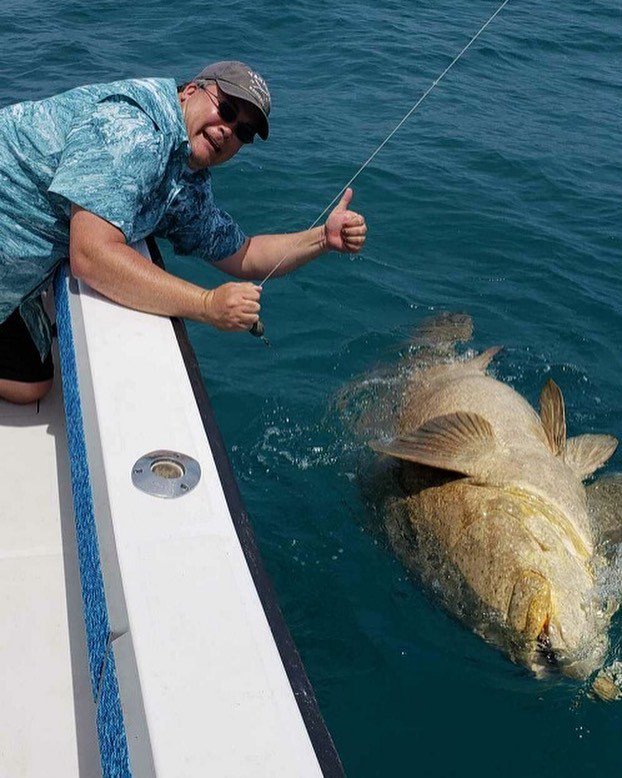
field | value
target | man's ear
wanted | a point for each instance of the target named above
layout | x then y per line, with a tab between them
188	91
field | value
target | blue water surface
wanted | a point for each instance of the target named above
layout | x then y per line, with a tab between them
500	197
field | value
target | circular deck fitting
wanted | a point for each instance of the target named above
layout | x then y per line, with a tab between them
166	473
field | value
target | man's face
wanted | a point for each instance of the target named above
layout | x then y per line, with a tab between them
212	140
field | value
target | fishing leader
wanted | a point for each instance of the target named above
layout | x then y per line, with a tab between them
85	173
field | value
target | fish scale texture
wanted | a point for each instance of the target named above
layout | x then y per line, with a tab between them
110	727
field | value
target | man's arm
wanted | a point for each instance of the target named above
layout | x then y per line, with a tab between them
260	253
344	231
100	256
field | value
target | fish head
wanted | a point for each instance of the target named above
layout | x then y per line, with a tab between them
562	628
578	634
525	559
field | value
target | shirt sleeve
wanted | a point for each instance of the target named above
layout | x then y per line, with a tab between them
195	225
111	162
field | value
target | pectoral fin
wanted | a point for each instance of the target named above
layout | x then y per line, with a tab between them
607	685
553	415
459	442
586	453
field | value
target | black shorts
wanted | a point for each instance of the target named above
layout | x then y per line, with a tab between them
19	357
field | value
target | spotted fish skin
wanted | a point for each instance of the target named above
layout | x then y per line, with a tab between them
504	537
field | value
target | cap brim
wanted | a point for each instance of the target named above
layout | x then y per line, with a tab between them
243	94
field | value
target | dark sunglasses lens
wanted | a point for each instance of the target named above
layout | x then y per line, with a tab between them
245	133
227	112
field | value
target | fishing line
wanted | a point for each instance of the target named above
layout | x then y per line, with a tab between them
258	328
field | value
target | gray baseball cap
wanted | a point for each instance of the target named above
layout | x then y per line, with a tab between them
238	80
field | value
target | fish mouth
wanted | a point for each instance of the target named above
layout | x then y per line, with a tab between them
545	649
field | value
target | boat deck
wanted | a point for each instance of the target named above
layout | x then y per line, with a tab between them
47	723
196	672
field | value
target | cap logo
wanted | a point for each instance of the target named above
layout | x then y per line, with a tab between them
258	88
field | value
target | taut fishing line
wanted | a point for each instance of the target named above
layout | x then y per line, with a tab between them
258	328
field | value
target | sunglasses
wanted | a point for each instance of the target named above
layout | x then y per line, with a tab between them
243	131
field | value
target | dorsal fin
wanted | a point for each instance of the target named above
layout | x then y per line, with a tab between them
481	361
458	442
586	453
553	415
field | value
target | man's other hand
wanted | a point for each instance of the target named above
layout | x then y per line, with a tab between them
233	307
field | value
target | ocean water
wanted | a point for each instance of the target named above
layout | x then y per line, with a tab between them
501	197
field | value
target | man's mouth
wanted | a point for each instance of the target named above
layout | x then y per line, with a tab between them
211	142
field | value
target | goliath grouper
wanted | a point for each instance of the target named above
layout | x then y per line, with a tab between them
494	514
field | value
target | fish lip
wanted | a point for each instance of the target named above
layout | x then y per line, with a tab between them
545	649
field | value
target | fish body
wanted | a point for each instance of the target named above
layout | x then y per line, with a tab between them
494	515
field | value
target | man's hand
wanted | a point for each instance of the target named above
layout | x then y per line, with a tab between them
264	255
233	306
345	230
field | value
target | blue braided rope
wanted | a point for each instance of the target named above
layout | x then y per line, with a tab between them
110	727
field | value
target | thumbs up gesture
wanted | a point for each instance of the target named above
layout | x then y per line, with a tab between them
344	229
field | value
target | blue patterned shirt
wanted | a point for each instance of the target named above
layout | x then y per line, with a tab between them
119	150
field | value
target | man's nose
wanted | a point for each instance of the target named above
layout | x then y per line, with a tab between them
227	130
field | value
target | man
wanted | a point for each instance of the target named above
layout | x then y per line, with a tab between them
87	172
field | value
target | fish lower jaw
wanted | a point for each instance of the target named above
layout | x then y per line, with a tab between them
584	658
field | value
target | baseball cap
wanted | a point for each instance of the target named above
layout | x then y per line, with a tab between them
238	80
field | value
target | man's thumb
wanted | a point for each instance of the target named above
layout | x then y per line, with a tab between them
346	199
